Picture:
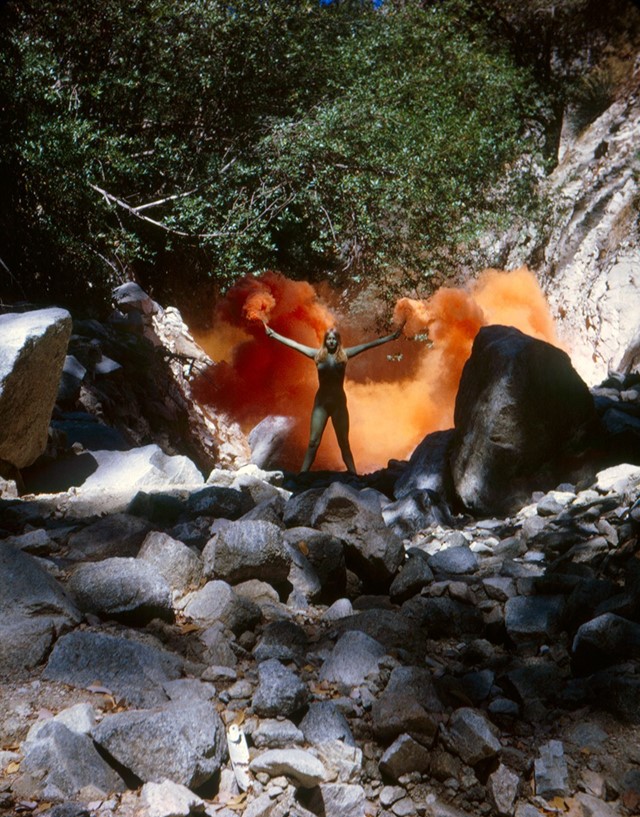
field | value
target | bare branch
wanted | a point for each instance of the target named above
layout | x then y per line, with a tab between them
157	203
110	198
272	209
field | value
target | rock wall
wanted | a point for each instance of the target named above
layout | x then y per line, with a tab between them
589	260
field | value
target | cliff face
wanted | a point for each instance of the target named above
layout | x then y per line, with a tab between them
588	260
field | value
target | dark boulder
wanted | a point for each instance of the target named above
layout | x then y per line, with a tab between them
521	412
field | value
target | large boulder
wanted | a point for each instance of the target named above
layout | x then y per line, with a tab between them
520	407
181	742
33	609
125	589
119	534
33	346
372	550
246	550
218	602
130	669
60	763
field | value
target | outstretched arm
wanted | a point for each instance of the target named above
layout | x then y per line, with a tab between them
352	351
308	351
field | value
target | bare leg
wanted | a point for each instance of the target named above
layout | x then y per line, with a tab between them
340	420
319	417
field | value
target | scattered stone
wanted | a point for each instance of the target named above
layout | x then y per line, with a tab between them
128	590
80	718
284	640
416	511
190	689
472	736
247	550
324	723
371	550
443	617
604	640
115	535
169	799
533	618
618	479
217	602
354	656
412	577
342	608
342	761
184	743
325	554
296	764
276	734
454	561
550	771
503	789
177	564
405	755
409	704
129	669
59	763
279	692
219	502
337	800
34	608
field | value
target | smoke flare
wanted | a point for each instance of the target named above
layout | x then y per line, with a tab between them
397	393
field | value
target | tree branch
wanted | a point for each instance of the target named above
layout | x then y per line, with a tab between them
110	198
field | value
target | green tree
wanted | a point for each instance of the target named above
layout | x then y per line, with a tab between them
184	144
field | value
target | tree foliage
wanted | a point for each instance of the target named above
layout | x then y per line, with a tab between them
184	144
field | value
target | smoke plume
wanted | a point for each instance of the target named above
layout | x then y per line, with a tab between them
396	393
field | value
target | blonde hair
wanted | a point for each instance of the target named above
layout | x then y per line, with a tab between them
323	352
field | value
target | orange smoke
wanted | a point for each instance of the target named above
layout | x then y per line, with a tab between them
397	393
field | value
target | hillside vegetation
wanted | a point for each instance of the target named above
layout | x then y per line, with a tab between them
185	144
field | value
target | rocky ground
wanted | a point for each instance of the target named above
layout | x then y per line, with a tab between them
475	667
266	644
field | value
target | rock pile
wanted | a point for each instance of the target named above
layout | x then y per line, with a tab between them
125	383
326	644
475	667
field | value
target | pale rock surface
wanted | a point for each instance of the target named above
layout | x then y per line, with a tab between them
590	268
80	719
177	563
33	347
338	800
221	440
169	799
147	467
300	766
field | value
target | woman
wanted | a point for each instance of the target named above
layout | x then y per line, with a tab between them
331	400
